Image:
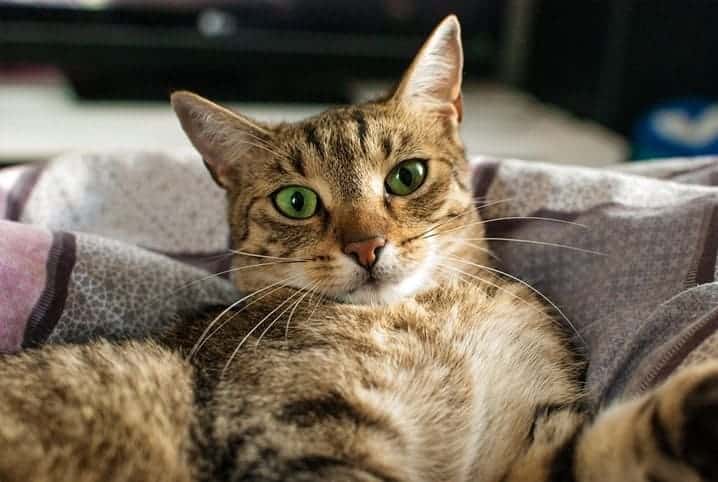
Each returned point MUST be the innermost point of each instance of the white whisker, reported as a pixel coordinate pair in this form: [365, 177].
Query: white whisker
[535, 218]
[319, 302]
[524, 283]
[313, 292]
[265, 147]
[231, 270]
[478, 247]
[306, 291]
[254, 328]
[204, 337]
[428, 233]
[245, 307]
[425, 234]
[491, 203]
[486, 221]
[461, 272]
[255, 255]
[541, 243]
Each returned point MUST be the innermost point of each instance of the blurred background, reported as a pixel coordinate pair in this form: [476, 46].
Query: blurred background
[589, 82]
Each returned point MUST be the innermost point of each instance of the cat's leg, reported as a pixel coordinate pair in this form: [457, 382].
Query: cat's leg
[669, 434]
[551, 441]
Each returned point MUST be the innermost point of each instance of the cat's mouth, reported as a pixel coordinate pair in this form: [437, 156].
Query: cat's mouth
[383, 287]
[373, 287]
[371, 282]
[394, 277]
[371, 291]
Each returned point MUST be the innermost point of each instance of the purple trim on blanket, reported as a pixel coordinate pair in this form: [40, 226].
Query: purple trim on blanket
[20, 192]
[483, 175]
[682, 347]
[47, 311]
[23, 255]
[705, 271]
[3, 203]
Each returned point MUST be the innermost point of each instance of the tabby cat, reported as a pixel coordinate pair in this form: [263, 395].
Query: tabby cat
[373, 344]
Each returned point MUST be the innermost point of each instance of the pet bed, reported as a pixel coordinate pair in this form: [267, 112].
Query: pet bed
[122, 244]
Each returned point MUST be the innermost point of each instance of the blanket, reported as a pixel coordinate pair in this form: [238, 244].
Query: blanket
[122, 244]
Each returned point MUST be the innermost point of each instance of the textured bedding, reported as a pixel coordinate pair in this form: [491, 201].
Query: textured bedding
[122, 244]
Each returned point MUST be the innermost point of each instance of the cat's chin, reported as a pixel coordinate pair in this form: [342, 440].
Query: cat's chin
[388, 292]
[374, 294]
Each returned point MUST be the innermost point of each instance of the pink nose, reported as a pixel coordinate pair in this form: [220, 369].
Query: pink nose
[366, 252]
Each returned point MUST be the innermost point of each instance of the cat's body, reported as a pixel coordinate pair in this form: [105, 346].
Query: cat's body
[375, 344]
[405, 392]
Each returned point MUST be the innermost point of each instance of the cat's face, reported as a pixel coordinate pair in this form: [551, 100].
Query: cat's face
[353, 202]
[352, 190]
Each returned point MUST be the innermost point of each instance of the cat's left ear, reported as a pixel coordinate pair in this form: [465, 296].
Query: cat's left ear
[433, 81]
[224, 138]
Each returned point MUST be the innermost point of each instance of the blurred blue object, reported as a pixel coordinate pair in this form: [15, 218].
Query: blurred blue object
[682, 127]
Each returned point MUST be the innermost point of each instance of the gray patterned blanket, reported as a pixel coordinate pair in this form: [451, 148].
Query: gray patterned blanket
[121, 244]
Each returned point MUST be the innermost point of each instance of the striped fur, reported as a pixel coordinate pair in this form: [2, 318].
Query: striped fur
[457, 377]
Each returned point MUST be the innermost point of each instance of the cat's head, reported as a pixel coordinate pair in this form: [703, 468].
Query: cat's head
[352, 201]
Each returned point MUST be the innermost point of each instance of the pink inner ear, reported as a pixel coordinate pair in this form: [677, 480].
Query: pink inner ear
[453, 110]
[213, 172]
[433, 81]
[459, 106]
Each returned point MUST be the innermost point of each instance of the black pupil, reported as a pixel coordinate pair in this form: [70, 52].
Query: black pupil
[405, 176]
[297, 201]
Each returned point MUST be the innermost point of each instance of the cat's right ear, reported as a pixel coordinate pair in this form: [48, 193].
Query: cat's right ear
[221, 136]
[433, 81]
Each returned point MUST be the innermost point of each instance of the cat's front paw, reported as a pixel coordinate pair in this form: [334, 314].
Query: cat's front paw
[686, 424]
[699, 429]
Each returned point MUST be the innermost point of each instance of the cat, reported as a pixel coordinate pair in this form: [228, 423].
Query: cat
[376, 343]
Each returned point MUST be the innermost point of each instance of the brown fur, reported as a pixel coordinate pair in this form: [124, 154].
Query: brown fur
[456, 376]
[95, 412]
[353, 211]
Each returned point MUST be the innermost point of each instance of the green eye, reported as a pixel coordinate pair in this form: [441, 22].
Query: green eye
[296, 202]
[406, 177]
